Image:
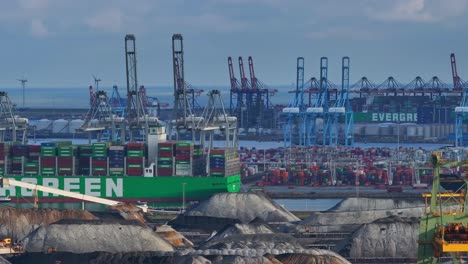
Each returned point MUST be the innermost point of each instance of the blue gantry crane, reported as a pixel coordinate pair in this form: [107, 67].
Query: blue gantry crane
[294, 113]
[461, 112]
[342, 108]
[319, 108]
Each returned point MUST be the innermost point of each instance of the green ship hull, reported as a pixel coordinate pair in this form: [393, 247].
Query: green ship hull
[126, 189]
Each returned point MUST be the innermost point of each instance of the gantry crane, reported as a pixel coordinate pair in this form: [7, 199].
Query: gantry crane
[319, 108]
[443, 229]
[215, 117]
[342, 107]
[261, 100]
[294, 114]
[135, 115]
[237, 103]
[100, 117]
[184, 116]
[461, 111]
[10, 123]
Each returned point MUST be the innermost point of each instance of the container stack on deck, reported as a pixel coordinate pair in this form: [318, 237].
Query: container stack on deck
[165, 160]
[65, 162]
[224, 162]
[31, 167]
[2, 158]
[135, 159]
[183, 158]
[116, 160]
[48, 159]
[84, 159]
[99, 159]
[19, 154]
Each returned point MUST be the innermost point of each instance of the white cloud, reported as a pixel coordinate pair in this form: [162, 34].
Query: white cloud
[34, 4]
[107, 20]
[213, 23]
[342, 32]
[404, 10]
[418, 10]
[38, 28]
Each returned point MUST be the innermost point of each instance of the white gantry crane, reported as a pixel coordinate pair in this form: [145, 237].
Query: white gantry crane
[10, 122]
[215, 117]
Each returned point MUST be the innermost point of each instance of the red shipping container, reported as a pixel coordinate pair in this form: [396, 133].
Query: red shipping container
[134, 171]
[183, 157]
[165, 172]
[132, 160]
[165, 154]
[65, 173]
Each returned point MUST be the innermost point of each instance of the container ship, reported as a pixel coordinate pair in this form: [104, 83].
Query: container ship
[157, 171]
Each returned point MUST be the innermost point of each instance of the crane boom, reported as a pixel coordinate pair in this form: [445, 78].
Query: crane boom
[79, 196]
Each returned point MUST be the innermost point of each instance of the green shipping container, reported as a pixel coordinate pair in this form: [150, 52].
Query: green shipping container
[135, 153]
[184, 144]
[135, 166]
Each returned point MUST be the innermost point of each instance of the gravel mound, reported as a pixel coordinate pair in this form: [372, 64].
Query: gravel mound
[312, 257]
[18, 223]
[255, 227]
[358, 217]
[388, 237]
[174, 238]
[266, 242]
[244, 207]
[88, 236]
[366, 204]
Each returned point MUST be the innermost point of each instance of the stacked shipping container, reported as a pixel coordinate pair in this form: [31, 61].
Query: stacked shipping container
[84, 159]
[48, 159]
[135, 159]
[31, 167]
[165, 159]
[65, 160]
[224, 162]
[99, 159]
[183, 158]
[116, 160]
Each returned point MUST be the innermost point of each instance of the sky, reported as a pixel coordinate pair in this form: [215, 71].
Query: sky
[62, 43]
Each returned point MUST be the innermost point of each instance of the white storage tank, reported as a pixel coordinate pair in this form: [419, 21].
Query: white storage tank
[75, 124]
[420, 131]
[411, 131]
[44, 124]
[427, 131]
[372, 130]
[359, 129]
[385, 130]
[60, 126]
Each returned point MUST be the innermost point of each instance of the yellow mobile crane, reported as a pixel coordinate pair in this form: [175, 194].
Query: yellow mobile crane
[443, 229]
